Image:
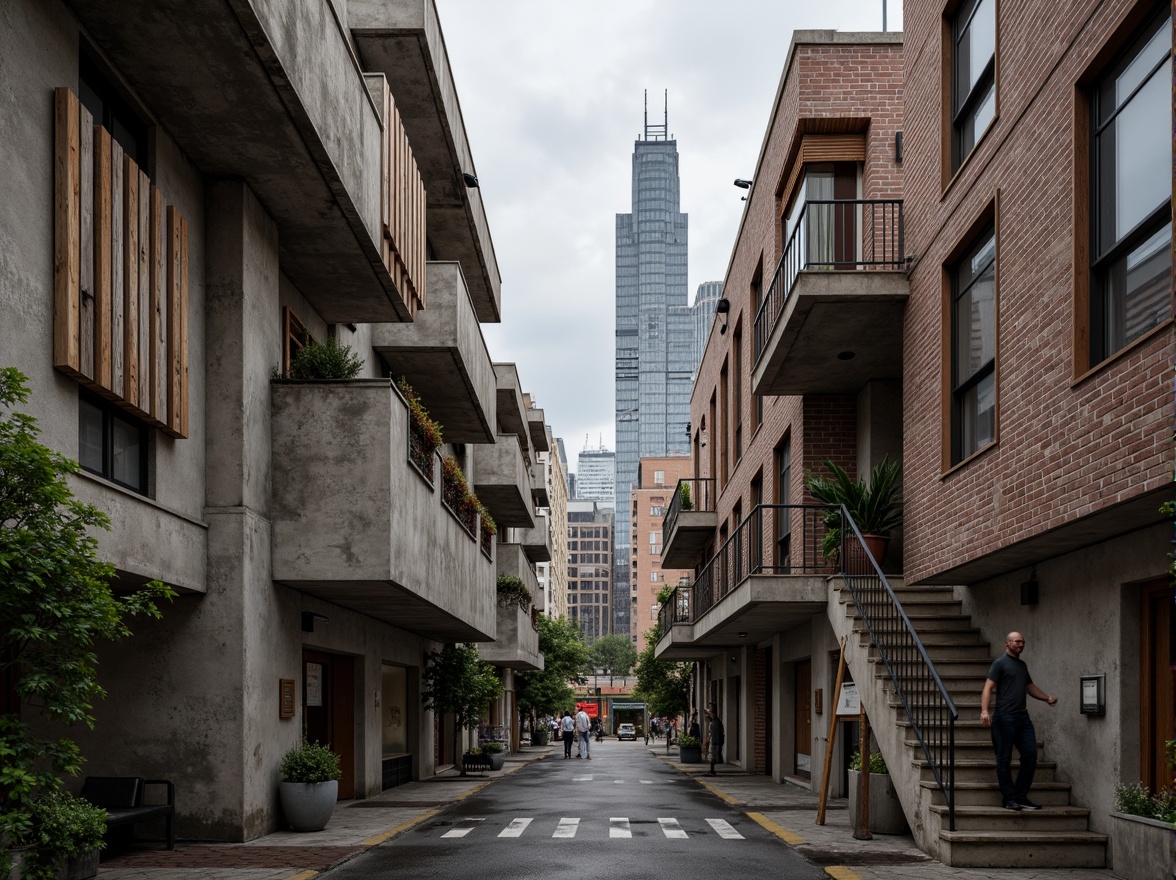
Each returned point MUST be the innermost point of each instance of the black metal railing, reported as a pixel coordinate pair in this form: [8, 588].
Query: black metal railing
[692, 493]
[928, 706]
[676, 609]
[840, 235]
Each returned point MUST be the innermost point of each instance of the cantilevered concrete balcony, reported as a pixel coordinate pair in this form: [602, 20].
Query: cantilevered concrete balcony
[269, 93]
[443, 356]
[356, 524]
[517, 642]
[510, 406]
[689, 523]
[402, 39]
[537, 428]
[536, 541]
[768, 577]
[513, 562]
[539, 486]
[832, 317]
[502, 481]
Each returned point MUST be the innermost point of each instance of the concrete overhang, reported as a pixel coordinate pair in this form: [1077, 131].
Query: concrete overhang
[511, 561]
[402, 39]
[503, 483]
[838, 331]
[512, 413]
[516, 645]
[1132, 515]
[443, 356]
[269, 93]
[759, 607]
[687, 536]
[536, 541]
[539, 486]
[538, 430]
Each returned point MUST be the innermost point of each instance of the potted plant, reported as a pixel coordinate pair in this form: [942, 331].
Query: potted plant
[886, 815]
[512, 590]
[328, 361]
[310, 786]
[496, 751]
[684, 493]
[1141, 832]
[875, 505]
[67, 834]
[689, 749]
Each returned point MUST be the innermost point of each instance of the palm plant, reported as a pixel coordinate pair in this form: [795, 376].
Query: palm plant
[874, 506]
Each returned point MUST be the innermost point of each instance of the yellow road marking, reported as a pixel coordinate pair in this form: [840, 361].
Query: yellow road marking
[839, 872]
[717, 793]
[387, 835]
[783, 833]
[303, 875]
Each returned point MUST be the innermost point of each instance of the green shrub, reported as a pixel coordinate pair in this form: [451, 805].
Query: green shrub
[68, 824]
[493, 747]
[311, 762]
[1137, 800]
[686, 741]
[512, 589]
[877, 762]
[325, 360]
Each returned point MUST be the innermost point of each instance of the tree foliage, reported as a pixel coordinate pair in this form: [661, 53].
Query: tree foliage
[663, 685]
[565, 661]
[55, 605]
[458, 681]
[613, 655]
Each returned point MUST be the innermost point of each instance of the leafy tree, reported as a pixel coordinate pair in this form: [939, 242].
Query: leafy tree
[56, 602]
[458, 681]
[663, 685]
[565, 661]
[613, 655]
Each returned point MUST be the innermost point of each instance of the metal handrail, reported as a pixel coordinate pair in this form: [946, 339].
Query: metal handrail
[691, 494]
[835, 234]
[928, 706]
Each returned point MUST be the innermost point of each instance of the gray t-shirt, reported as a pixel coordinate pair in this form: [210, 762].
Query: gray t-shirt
[1012, 679]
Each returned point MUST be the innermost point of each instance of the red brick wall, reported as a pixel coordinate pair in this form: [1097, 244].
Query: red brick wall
[759, 712]
[1066, 447]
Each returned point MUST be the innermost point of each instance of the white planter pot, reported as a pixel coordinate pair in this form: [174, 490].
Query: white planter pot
[308, 805]
[886, 815]
[1141, 849]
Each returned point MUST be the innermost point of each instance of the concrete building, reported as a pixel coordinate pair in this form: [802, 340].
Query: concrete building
[657, 481]
[702, 315]
[590, 565]
[595, 475]
[553, 575]
[654, 334]
[194, 193]
[905, 284]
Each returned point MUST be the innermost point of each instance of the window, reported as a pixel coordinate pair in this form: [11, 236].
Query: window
[973, 69]
[737, 389]
[657, 511]
[973, 342]
[784, 498]
[110, 444]
[110, 109]
[659, 478]
[1131, 191]
[654, 577]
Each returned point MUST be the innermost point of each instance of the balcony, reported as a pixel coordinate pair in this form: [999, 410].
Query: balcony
[517, 643]
[833, 316]
[536, 541]
[768, 577]
[402, 40]
[539, 485]
[444, 357]
[502, 481]
[689, 523]
[293, 118]
[537, 428]
[356, 524]
[513, 562]
[510, 406]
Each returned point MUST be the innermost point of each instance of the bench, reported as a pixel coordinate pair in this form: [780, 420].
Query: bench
[476, 762]
[122, 798]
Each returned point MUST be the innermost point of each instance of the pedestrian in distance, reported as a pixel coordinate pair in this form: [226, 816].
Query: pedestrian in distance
[583, 726]
[567, 727]
[717, 737]
[694, 729]
[1009, 679]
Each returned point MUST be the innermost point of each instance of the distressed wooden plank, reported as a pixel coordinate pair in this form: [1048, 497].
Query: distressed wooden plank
[66, 229]
[103, 259]
[144, 401]
[183, 326]
[173, 320]
[130, 338]
[158, 312]
[117, 272]
[86, 219]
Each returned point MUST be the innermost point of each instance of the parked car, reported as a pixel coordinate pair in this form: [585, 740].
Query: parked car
[627, 731]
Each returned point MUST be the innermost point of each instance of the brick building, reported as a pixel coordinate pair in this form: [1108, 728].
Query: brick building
[657, 480]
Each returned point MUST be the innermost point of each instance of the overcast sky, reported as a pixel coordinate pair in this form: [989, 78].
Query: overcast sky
[551, 92]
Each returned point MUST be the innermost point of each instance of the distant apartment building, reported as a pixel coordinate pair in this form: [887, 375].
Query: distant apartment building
[657, 481]
[595, 474]
[590, 565]
[553, 575]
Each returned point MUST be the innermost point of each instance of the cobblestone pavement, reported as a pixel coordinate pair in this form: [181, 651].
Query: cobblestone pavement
[789, 811]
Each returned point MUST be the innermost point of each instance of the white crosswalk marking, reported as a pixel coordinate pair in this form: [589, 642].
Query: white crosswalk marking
[724, 828]
[515, 828]
[581, 779]
[619, 828]
[566, 828]
[672, 829]
[647, 782]
[468, 826]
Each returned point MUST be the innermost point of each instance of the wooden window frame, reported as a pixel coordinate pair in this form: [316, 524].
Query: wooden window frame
[952, 168]
[295, 337]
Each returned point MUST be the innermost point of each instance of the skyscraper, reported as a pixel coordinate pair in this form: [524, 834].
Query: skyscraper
[596, 475]
[655, 338]
[702, 315]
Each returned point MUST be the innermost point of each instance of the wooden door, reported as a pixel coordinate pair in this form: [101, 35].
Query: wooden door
[804, 719]
[1158, 683]
[329, 710]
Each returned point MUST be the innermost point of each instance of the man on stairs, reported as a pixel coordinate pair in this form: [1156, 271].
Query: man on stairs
[1010, 722]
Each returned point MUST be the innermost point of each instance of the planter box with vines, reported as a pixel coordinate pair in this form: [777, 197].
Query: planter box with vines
[516, 642]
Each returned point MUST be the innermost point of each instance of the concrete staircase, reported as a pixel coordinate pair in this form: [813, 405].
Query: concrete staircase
[986, 835]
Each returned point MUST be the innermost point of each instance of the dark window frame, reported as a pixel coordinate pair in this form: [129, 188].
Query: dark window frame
[961, 386]
[110, 413]
[963, 107]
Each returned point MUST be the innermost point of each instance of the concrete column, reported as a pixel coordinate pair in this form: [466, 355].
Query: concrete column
[779, 713]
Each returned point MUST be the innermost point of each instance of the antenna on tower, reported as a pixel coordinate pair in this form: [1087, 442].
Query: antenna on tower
[657, 132]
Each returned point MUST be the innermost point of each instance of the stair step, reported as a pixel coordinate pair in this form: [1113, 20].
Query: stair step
[927, 623]
[984, 771]
[974, 651]
[918, 608]
[962, 636]
[986, 818]
[987, 794]
[1025, 849]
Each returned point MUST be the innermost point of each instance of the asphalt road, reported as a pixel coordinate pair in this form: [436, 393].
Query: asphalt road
[622, 814]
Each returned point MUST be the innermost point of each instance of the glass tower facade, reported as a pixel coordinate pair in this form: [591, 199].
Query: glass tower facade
[655, 335]
[703, 315]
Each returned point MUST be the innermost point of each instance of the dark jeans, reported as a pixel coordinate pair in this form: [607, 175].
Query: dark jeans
[716, 754]
[1009, 731]
[567, 738]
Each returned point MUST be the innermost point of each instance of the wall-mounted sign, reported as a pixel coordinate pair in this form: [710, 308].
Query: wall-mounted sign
[849, 702]
[286, 704]
[1094, 694]
[314, 684]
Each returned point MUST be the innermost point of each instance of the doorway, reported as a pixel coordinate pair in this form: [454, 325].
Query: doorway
[1157, 682]
[328, 701]
[804, 719]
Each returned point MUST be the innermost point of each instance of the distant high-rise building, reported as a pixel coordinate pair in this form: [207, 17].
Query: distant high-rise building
[595, 475]
[702, 315]
[655, 359]
[590, 545]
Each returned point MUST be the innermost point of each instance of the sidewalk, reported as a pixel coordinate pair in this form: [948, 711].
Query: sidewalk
[788, 811]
